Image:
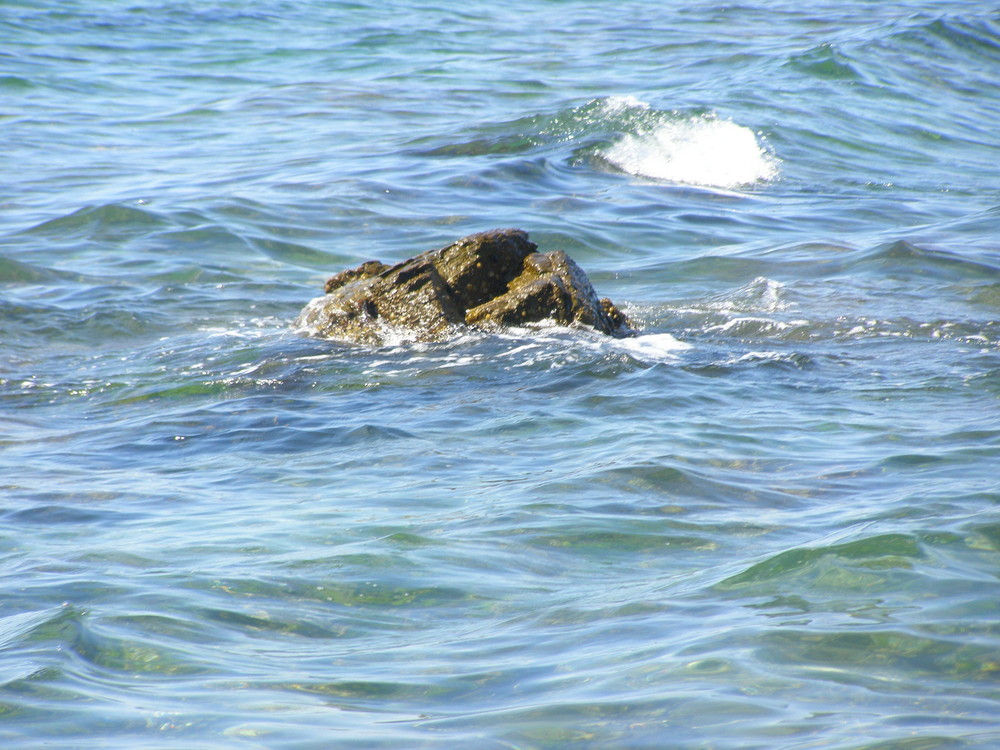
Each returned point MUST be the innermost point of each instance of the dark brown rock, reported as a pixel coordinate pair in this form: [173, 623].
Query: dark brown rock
[486, 280]
[550, 287]
[479, 267]
[364, 271]
[409, 299]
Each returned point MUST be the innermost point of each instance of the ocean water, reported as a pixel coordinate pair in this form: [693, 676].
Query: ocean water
[770, 521]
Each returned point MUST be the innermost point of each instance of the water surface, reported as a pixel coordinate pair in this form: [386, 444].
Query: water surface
[770, 521]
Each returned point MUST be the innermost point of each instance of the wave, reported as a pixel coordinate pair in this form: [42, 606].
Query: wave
[18, 627]
[700, 150]
[903, 259]
[544, 345]
[881, 552]
[108, 222]
[652, 347]
[16, 272]
[975, 36]
[626, 134]
[826, 62]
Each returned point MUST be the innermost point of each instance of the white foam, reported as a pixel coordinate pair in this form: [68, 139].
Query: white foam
[614, 105]
[753, 322]
[771, 294]
[702, 150]
[656, 347]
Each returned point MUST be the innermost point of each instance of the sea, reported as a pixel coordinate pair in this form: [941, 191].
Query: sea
[768, 521]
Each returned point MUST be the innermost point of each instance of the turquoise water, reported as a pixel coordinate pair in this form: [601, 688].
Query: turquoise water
[770, 521]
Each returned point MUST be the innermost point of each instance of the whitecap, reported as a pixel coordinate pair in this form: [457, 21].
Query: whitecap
[615, 105]
[652, 347]
[703, 150]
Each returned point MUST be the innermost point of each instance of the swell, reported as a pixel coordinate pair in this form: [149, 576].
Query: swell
[211, 234]
[974, 36]
[918, 121]
[626, 135]
[898, 290]
[898, 260]
[845, 622]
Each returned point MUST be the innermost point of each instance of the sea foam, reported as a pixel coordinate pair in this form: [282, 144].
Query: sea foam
[701, 150]
[654, 347]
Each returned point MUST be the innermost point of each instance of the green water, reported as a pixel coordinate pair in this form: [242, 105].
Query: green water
[770, 521]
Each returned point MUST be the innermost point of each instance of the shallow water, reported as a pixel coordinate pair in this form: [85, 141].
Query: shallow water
[768, 521]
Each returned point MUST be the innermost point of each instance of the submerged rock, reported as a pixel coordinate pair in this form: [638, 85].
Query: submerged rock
[486, 280]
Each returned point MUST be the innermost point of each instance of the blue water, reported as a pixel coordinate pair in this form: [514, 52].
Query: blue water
[771, 521]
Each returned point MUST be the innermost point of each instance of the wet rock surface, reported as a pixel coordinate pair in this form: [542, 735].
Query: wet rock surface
[487, 280]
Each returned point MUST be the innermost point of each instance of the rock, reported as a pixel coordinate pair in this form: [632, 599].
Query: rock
[486, 280]
[364, 271]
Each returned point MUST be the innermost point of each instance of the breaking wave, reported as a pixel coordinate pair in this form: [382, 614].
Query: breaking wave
[699, 150]
[624, 133]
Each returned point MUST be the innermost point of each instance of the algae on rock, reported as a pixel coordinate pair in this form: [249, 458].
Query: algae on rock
[486, 280]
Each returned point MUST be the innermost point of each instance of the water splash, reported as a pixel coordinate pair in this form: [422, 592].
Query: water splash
[701, 150]
[626, 133]
[653, 347]
[618, 105]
